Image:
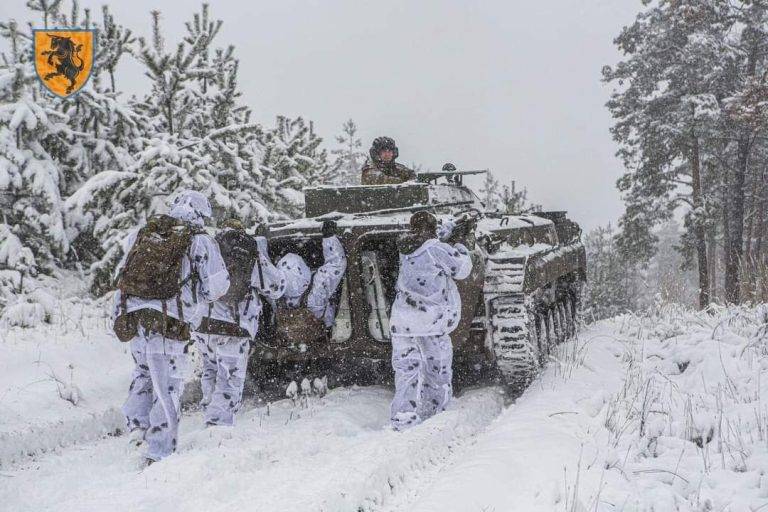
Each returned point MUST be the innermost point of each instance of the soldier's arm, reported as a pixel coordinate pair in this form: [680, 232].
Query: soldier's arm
[454, 260]
[269, 280]
[405, 173]
[210, 268]
[328, 276]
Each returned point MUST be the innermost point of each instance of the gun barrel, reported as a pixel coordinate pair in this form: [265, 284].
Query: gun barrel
[435, 174]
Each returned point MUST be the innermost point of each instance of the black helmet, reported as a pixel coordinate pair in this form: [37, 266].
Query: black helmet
[449, 167]
[380, 144]
[423, 222]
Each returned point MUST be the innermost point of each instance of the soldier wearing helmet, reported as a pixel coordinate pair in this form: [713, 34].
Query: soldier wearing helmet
[382, 169]
[425, 312]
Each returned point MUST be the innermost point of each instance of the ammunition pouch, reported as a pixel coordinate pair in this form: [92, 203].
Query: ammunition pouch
[126, 325]
[222, 328]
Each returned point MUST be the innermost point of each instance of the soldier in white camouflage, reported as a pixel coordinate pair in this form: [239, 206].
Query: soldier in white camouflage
[425, 312]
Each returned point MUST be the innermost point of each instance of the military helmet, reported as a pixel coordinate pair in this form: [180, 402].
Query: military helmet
[423, 222]
[233, 224]
[380, 144]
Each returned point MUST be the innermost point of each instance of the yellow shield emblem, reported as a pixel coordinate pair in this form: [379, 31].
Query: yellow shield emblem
[64, 59]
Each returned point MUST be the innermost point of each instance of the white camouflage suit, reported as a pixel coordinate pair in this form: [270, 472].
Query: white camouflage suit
[225, 358]
[153, 405]
[426, 310]
[324, 283]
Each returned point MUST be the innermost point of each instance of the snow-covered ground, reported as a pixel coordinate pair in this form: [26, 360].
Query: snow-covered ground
[659, 412]
[61, 380]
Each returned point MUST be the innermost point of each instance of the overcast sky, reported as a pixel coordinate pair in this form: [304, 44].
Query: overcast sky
[508, 85]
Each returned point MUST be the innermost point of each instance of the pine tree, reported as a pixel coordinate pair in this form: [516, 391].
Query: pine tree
[515, 201]
[115, 41]
[666, 109]
[292, 159]
[611, 287]
[489, 193]
[506, 199]
[32, 135]
[349, 158]
[746, 110]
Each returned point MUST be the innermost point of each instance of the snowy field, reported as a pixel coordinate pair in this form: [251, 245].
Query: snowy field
[660, 412]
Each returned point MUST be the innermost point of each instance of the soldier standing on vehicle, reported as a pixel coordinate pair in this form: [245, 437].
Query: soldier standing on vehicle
[308, 304]
[223, 337]
[171, 271]
[382, 169]
[426, 310]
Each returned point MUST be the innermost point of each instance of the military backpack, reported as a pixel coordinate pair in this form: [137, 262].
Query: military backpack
[240, 253]
[153, 270]
[298, 324]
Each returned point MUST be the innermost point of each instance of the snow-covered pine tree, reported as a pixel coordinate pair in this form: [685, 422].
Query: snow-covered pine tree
[108, 134]
[666, 110]
[611, 287]
[165, 159]
[49, 10]
[115, 41]
[32, 136]
[229, 142]
[489, 193]
[746, 122]
[291, 159]
[173, 97]
[349, 156]
[516, 201]
[194, 134]
[16, 263]
[505, 199]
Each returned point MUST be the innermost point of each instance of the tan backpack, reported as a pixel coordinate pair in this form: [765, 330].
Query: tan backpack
[153, 270]
[299, 324]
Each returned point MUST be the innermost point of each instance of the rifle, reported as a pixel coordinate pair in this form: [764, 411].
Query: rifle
[455, 177]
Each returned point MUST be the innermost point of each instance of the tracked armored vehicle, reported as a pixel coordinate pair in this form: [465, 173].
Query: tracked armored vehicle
[521, 299]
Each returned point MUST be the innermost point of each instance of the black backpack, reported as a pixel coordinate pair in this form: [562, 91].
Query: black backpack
[240, 253]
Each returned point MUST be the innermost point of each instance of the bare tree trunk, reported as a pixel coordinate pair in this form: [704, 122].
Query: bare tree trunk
[712, 260]
[750, 209]
[735, 246]
[698, 227]
[726, 224]
[762, 204]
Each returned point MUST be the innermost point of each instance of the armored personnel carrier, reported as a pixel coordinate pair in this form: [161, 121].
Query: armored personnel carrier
[521, 298]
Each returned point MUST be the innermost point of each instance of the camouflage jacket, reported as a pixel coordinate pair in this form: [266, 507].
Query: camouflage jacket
[377, 173]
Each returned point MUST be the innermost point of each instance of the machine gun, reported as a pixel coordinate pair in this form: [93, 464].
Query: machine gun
[454, 177]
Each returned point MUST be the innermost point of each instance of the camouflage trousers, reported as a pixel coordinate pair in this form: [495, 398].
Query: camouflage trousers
[423, 376]
[225, 359]
[154, 397]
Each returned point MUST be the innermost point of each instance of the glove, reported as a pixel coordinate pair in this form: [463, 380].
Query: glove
[329, 228]
[261, 243]
[445, 229]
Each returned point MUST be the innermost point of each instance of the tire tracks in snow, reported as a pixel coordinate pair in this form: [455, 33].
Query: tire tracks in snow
[336, 454]
[416, 456]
